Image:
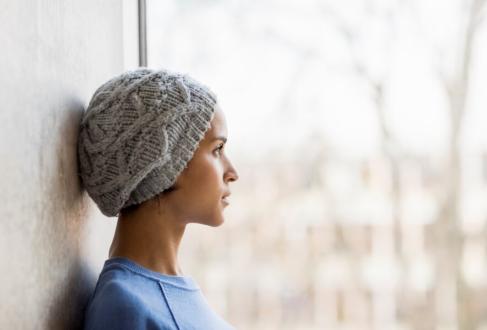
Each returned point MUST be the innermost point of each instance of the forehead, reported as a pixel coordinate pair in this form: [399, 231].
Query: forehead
[218, 125]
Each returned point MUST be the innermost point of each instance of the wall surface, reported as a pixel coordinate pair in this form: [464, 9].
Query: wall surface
[52, 238]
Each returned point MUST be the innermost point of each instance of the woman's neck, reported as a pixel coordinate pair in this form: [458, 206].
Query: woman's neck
[150, 240]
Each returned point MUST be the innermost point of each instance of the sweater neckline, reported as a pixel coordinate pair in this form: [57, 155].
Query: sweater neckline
[184, 281]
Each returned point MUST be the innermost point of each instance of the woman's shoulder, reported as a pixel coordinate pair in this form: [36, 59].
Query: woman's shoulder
[125, 300]
[128, 296]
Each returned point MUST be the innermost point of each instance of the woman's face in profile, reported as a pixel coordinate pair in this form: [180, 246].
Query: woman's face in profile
[201, 186]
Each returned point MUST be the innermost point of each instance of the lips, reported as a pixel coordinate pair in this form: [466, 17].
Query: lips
[225, 198]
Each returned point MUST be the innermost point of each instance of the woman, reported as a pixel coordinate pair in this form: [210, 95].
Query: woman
[151, 150]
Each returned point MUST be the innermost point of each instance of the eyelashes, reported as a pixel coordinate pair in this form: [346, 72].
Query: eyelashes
[220, 148]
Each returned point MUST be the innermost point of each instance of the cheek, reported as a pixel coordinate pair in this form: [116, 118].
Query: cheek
[206, 179]
[203, 195]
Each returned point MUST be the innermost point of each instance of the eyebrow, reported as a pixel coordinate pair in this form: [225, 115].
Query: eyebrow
[224, 139]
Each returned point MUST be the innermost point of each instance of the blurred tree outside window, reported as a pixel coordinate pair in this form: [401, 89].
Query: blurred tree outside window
[358, 129]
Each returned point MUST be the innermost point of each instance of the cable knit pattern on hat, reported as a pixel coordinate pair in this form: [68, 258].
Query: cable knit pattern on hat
[139, 132]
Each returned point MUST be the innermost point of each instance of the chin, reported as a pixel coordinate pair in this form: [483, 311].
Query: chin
[216, 223]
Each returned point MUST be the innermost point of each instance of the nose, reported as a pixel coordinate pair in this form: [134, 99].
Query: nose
[231, 174]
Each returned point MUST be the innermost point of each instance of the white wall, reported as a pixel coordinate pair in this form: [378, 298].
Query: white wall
[53, 240]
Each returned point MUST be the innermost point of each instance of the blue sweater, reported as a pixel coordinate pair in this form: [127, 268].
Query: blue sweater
[130, 296]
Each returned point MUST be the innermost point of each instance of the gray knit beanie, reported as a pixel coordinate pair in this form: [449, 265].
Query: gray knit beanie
[139, 132]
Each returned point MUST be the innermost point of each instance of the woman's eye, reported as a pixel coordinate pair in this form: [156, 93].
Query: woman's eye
[220, 147]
